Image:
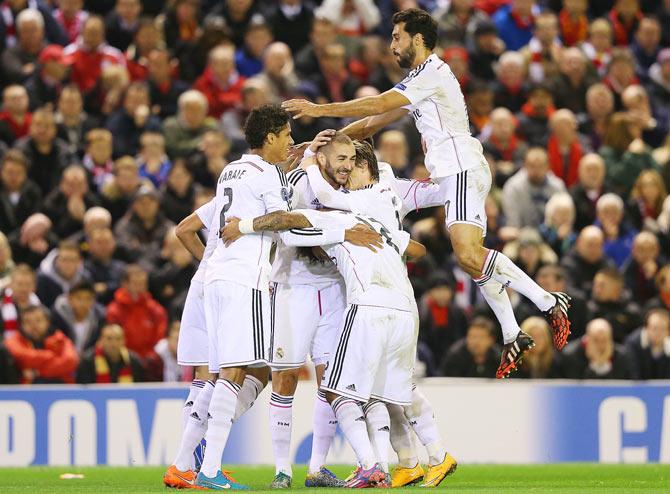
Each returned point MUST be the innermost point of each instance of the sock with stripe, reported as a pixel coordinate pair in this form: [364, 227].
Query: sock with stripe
[499, 267]
[221, 413]
[497, 298]
[351, 418]
[379, 427]
[195, 429]
[251, 388]
[193, 391]
[401, 437]
[281, 417]
[325, 425]
[422, 419]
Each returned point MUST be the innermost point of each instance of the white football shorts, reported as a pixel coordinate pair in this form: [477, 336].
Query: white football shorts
[192, 348]
[465, 196]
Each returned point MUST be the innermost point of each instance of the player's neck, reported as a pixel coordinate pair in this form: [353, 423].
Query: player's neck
[420, 58]
[264, 154]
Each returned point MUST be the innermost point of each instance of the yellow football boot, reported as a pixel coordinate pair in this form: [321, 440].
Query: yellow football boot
[437, 473]
[407, 476]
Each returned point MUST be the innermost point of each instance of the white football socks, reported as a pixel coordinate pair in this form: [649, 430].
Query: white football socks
[251, 388]
[325, 425]
[379, 426]
[352, 422]
[221, 413]
[281, 417]
[195, 429]
[401, 437]
[421, 418]
[193, 391]
[497, 298]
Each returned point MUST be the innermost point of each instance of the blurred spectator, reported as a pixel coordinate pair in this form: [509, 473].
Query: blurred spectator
[442, 322]
[14, 117]
[510, 88]
[625, 154]
[479, 99]
[129, 122]
[173, 275]
[184, 131]
[154, 164]
[542, 361]
[432, 232]
[392, 148]
[649, 347]
[60, 270]
[484, 50]
[535, 114]
[143, 320]
[663, 14]
[558, 228]
[17, 296]
[104, 270]
[8, 21]
[646, 200]
[237, 15]
[645, 47]
[573, 22]
[278, 75]
[636, 102]
[352, 18]
[476, 355]
[9, 372]
[530, 252]
[162, 364]
[624, 17]
[515, 23]
[32, 242]
[565, 146]
[207, 164]
[71, 16]
[641, 268]
[526, 193]
[659, 87]
[66, 205]
[45, 83]
[142, 229]
[302, 129]
[388, 73]
[609, 301]
[589, 188]
[122, 22]
[596, 356]
[42, 352]
[663, 223]
[79, 316]
[290, 21]
[334, 81]
[544, 49]
[620, 72]
[72, 122]
[19, 196]
[178, 194]
[47, 154]
[457, 59]
[164, 88]
[663, 287]
[118, 193]
[618, 233]
[585, 260]
[98, 158]
[19, 61]
[110, 361]
[598, 48]
[147, 39]
[6, 262]
[457, 22]
[220, 83]
[255, 93]
[573, 81]
[502, 143]
[181, 27]
[248, 58]
[323, 33]
[367, 61]
[90, 53]
[95, 217]
[599, 109]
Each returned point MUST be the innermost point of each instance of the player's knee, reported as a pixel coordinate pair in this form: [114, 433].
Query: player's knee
[233, 374]
[260, 373]
[470, 258]
[331, 397]
[285, 382]
[202, 373]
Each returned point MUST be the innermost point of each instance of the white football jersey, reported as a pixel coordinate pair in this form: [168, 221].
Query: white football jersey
[371, 278]
[247, 188]
[414, 194]
[206, 215]
[438, 107]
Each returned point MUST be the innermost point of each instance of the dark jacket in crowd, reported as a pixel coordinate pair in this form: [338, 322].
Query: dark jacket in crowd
[580, 273]
[577, 366]
[63, 318]
[624, 316]
[55, 207]
[45, 169]
[9, 372]
[12, 216]
[458, 362]
[86, 372]
[647, 365]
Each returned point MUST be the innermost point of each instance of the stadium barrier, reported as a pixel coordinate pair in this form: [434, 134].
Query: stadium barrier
[482, 422]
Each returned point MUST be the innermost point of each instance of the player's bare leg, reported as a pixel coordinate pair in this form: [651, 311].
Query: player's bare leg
[284, 384]
[494, 272]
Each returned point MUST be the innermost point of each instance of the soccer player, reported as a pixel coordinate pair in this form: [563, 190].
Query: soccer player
[431, 93]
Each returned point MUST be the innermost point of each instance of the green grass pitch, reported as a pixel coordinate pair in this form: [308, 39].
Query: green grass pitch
[498, 479]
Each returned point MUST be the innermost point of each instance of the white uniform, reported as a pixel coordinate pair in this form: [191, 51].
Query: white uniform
[375, 352]
[414, 194]
[237, 302]
[453, 157]
[308, 297]
[192, 348]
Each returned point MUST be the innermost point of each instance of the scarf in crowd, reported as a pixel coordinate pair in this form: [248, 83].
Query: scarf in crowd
[506, 153]
[620, 30]
[10, 22]
[101, 173]
[521, 23]
[19, 129]
[529, 110]
[574, 30]
[187, 30]
[538, 56]
[72, 26]
[10, 315]
[102, 367]
[600, 60]
[558, 165]
[439, 313]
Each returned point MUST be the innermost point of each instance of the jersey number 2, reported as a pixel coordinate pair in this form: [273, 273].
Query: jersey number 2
[228, 193]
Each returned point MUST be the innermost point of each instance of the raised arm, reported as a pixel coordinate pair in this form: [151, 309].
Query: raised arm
[361, 107]
[369, 126]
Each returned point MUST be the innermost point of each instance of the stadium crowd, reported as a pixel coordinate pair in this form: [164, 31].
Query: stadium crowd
[118, 116]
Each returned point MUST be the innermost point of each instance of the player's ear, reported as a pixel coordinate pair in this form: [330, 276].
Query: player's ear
[320, 158]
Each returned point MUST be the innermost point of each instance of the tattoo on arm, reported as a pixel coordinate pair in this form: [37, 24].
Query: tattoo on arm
[280, 221]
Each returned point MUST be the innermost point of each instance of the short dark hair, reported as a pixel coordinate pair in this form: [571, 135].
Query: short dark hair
[483, 323]
[268, 119]
[612, 273]
[418, 21]
[15, 156]
[82, 286]
[36, 307]
[132, 269]
[365, 152]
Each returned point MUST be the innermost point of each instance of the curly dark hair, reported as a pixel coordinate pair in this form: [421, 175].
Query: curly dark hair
[418, 21]
[268, 119]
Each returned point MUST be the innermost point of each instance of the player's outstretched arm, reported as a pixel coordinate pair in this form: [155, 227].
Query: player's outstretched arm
[187, 232]
[361, 107]
[369, 126]
[275, 221]
[415, 250]
[359, 235]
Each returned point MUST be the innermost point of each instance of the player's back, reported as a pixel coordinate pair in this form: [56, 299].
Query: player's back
[247, 188]
[378, 201]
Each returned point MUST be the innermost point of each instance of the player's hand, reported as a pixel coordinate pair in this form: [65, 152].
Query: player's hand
[301, 108]
[321, 139]
[298, 149]
[231, 231]
[364, 236]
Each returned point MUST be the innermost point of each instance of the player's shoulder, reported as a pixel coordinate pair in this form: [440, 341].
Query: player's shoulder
[296, 176]
[428, 66]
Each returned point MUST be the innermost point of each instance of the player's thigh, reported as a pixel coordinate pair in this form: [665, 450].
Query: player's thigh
[354, 363]
[295, 313]
[465, 197]
[332, 304]
[192, 347]
[393, 383]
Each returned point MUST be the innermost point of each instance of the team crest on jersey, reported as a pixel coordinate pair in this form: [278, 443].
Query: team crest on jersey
[286, 194]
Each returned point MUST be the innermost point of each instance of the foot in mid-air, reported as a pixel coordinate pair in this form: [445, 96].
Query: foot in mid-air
[323, 478]
[221, 481]
[281, 481]
[177, 479]
[403, 476]
[437, 473]
[372, 477]
[512, 354]
[557, 317]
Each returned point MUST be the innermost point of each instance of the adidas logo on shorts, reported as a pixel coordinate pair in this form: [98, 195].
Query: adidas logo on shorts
[351, 387]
